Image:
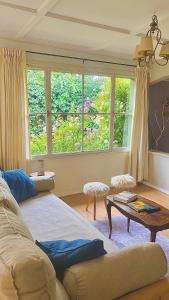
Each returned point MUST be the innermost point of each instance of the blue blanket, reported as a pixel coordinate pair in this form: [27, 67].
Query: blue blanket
[64, 254]
[20, 184]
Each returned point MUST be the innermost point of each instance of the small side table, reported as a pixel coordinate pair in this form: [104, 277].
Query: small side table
[48, 174]
[44, 182]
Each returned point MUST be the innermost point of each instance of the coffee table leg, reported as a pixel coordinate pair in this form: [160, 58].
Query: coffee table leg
[128, 224]
[109, 218]
[153, 236]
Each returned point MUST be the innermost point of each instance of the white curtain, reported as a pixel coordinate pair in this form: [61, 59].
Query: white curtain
[138, 164]
[12, 103]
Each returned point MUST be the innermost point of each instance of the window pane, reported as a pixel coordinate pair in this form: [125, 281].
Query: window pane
[36, 91]
[124, 95]
[122, 130]
[66, 133]
[66, 92]
[96, 132]
[37, 129]
[97, 93]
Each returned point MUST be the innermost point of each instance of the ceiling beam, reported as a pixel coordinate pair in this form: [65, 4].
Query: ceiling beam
[88, 23]
[19, 7]
[46, 6]
[44, 10]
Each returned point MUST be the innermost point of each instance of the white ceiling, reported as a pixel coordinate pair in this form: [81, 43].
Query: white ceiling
[109, 27]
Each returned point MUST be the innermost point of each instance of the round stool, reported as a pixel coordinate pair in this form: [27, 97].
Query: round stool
[122, 182]
[95, 190]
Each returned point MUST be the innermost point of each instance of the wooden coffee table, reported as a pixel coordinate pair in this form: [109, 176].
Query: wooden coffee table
[155, 221]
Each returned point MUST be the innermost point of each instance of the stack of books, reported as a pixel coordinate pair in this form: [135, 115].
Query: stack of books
[141, 206]
[124, 197]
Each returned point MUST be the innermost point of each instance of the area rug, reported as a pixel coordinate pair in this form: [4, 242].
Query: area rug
[138, 233]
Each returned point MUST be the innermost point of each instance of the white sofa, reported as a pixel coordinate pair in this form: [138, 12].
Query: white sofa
[27, 274]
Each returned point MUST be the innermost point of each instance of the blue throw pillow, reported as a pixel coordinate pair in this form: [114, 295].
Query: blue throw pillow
[64, 254]
[20, 184]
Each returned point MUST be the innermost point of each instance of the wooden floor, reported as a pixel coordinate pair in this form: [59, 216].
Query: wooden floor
[78, 202]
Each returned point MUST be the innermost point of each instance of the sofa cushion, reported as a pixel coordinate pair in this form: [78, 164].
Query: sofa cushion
[3, 184]
[6, 198]
[64, 254]
[12, 224]
[26, 273]
[25, 270]
[116, 274]
[20, 184]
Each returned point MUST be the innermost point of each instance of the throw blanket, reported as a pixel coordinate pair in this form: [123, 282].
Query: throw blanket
[20, 184]
[64, 254]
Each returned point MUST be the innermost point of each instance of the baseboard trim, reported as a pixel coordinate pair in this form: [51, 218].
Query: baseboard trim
[156, 187]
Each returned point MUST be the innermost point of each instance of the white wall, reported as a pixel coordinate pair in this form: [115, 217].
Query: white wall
[39, 47]
[73, 171]
[159, 171]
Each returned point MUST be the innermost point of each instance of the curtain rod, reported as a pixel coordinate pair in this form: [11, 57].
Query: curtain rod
[82, 59]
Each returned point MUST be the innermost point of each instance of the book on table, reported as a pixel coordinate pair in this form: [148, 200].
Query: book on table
[124, 197]
[141, 206]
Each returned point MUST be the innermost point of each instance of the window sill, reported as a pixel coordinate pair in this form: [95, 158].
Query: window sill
[44, 157]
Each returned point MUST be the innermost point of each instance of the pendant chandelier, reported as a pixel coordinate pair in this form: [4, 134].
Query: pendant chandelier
[146, 53]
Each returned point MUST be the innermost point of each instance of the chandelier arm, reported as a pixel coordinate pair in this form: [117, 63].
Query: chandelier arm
[159, 34]
[158, 39]
[165, 60]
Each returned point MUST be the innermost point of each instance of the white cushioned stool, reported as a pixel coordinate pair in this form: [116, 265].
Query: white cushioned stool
[95, 190]
[122, 182]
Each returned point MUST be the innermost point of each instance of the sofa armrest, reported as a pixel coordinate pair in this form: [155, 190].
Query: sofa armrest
[116, 274]
[158, 290]
[43, 183]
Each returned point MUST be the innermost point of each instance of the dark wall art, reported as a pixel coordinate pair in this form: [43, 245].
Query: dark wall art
[159, 116]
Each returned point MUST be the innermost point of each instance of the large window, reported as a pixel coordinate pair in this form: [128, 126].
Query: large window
[71, 112]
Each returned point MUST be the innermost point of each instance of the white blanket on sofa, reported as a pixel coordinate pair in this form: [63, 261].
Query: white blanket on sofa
[49, 218]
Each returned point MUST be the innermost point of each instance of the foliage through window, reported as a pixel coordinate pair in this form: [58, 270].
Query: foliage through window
[71, 112]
